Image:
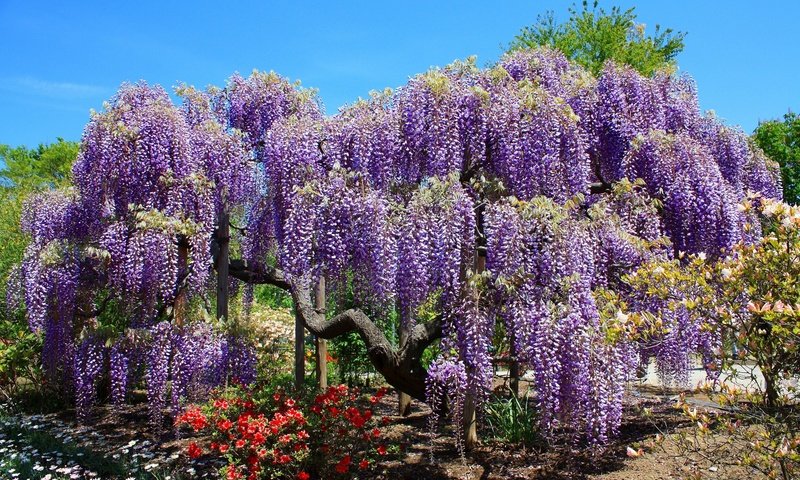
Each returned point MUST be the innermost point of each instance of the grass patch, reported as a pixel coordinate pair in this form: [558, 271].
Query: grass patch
[514, 420]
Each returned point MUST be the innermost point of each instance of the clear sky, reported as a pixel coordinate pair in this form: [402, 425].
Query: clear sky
[60, 59]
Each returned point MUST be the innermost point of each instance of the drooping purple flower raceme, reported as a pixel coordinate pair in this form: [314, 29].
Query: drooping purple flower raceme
[447, 385]
[157, 370]
[437, 238]
[120, 358]
[89, 361]
[239, 357]
[536, 144]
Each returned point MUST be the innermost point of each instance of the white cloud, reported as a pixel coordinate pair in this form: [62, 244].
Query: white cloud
[39, 87]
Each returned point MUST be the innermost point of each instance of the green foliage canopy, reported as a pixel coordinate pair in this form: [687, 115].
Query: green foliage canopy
[47, 166]
[592, 36]
[780, 140]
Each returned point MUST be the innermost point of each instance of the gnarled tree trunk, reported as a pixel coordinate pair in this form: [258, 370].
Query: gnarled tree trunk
[400, 366]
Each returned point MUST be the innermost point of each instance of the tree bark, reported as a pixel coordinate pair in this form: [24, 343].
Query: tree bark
[321, 343]
[513, 366]
[400, 367]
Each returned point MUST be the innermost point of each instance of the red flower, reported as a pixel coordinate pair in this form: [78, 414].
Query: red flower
[223, 448]
[302, 435]
[363, 464]
[233, 474]
[303, 476]
[285, 438]
[300, 446]
[240, 443]
[224, 425]
[194, 417]
[381, 449]
[344, 464]
[289, 403]
[194, 451]
[376, 433]
[284, 459]
[358, 421]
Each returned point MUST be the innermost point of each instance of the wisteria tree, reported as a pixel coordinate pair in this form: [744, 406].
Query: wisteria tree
[518, 195]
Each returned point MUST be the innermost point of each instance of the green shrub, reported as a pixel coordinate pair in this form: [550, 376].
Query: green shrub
[513, 420]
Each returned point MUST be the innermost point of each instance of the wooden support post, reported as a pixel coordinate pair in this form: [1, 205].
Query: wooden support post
[513, 366]
[514, 374]
[470, 417]
[181, 303]
[403, 399]
[299, 352]
[321, 343]
[470, 423]
[223, 239]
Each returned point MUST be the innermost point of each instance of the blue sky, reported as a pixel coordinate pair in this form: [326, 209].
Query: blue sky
[60, 59]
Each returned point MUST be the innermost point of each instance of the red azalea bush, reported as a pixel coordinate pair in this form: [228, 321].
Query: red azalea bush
[331, 435]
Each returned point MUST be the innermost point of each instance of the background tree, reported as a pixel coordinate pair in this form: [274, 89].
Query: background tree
[780, 140]
[25, 171]
[47, 166]
[592, 36]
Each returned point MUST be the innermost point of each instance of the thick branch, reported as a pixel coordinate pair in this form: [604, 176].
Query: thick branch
[250, 274]
[400, 367]
[600, 187]
[265, 275]
[95, 312]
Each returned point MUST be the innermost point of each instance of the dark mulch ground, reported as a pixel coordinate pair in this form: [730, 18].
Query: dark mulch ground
[430, 456]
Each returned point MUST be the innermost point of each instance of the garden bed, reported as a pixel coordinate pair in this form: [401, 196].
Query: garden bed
[120, 445]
